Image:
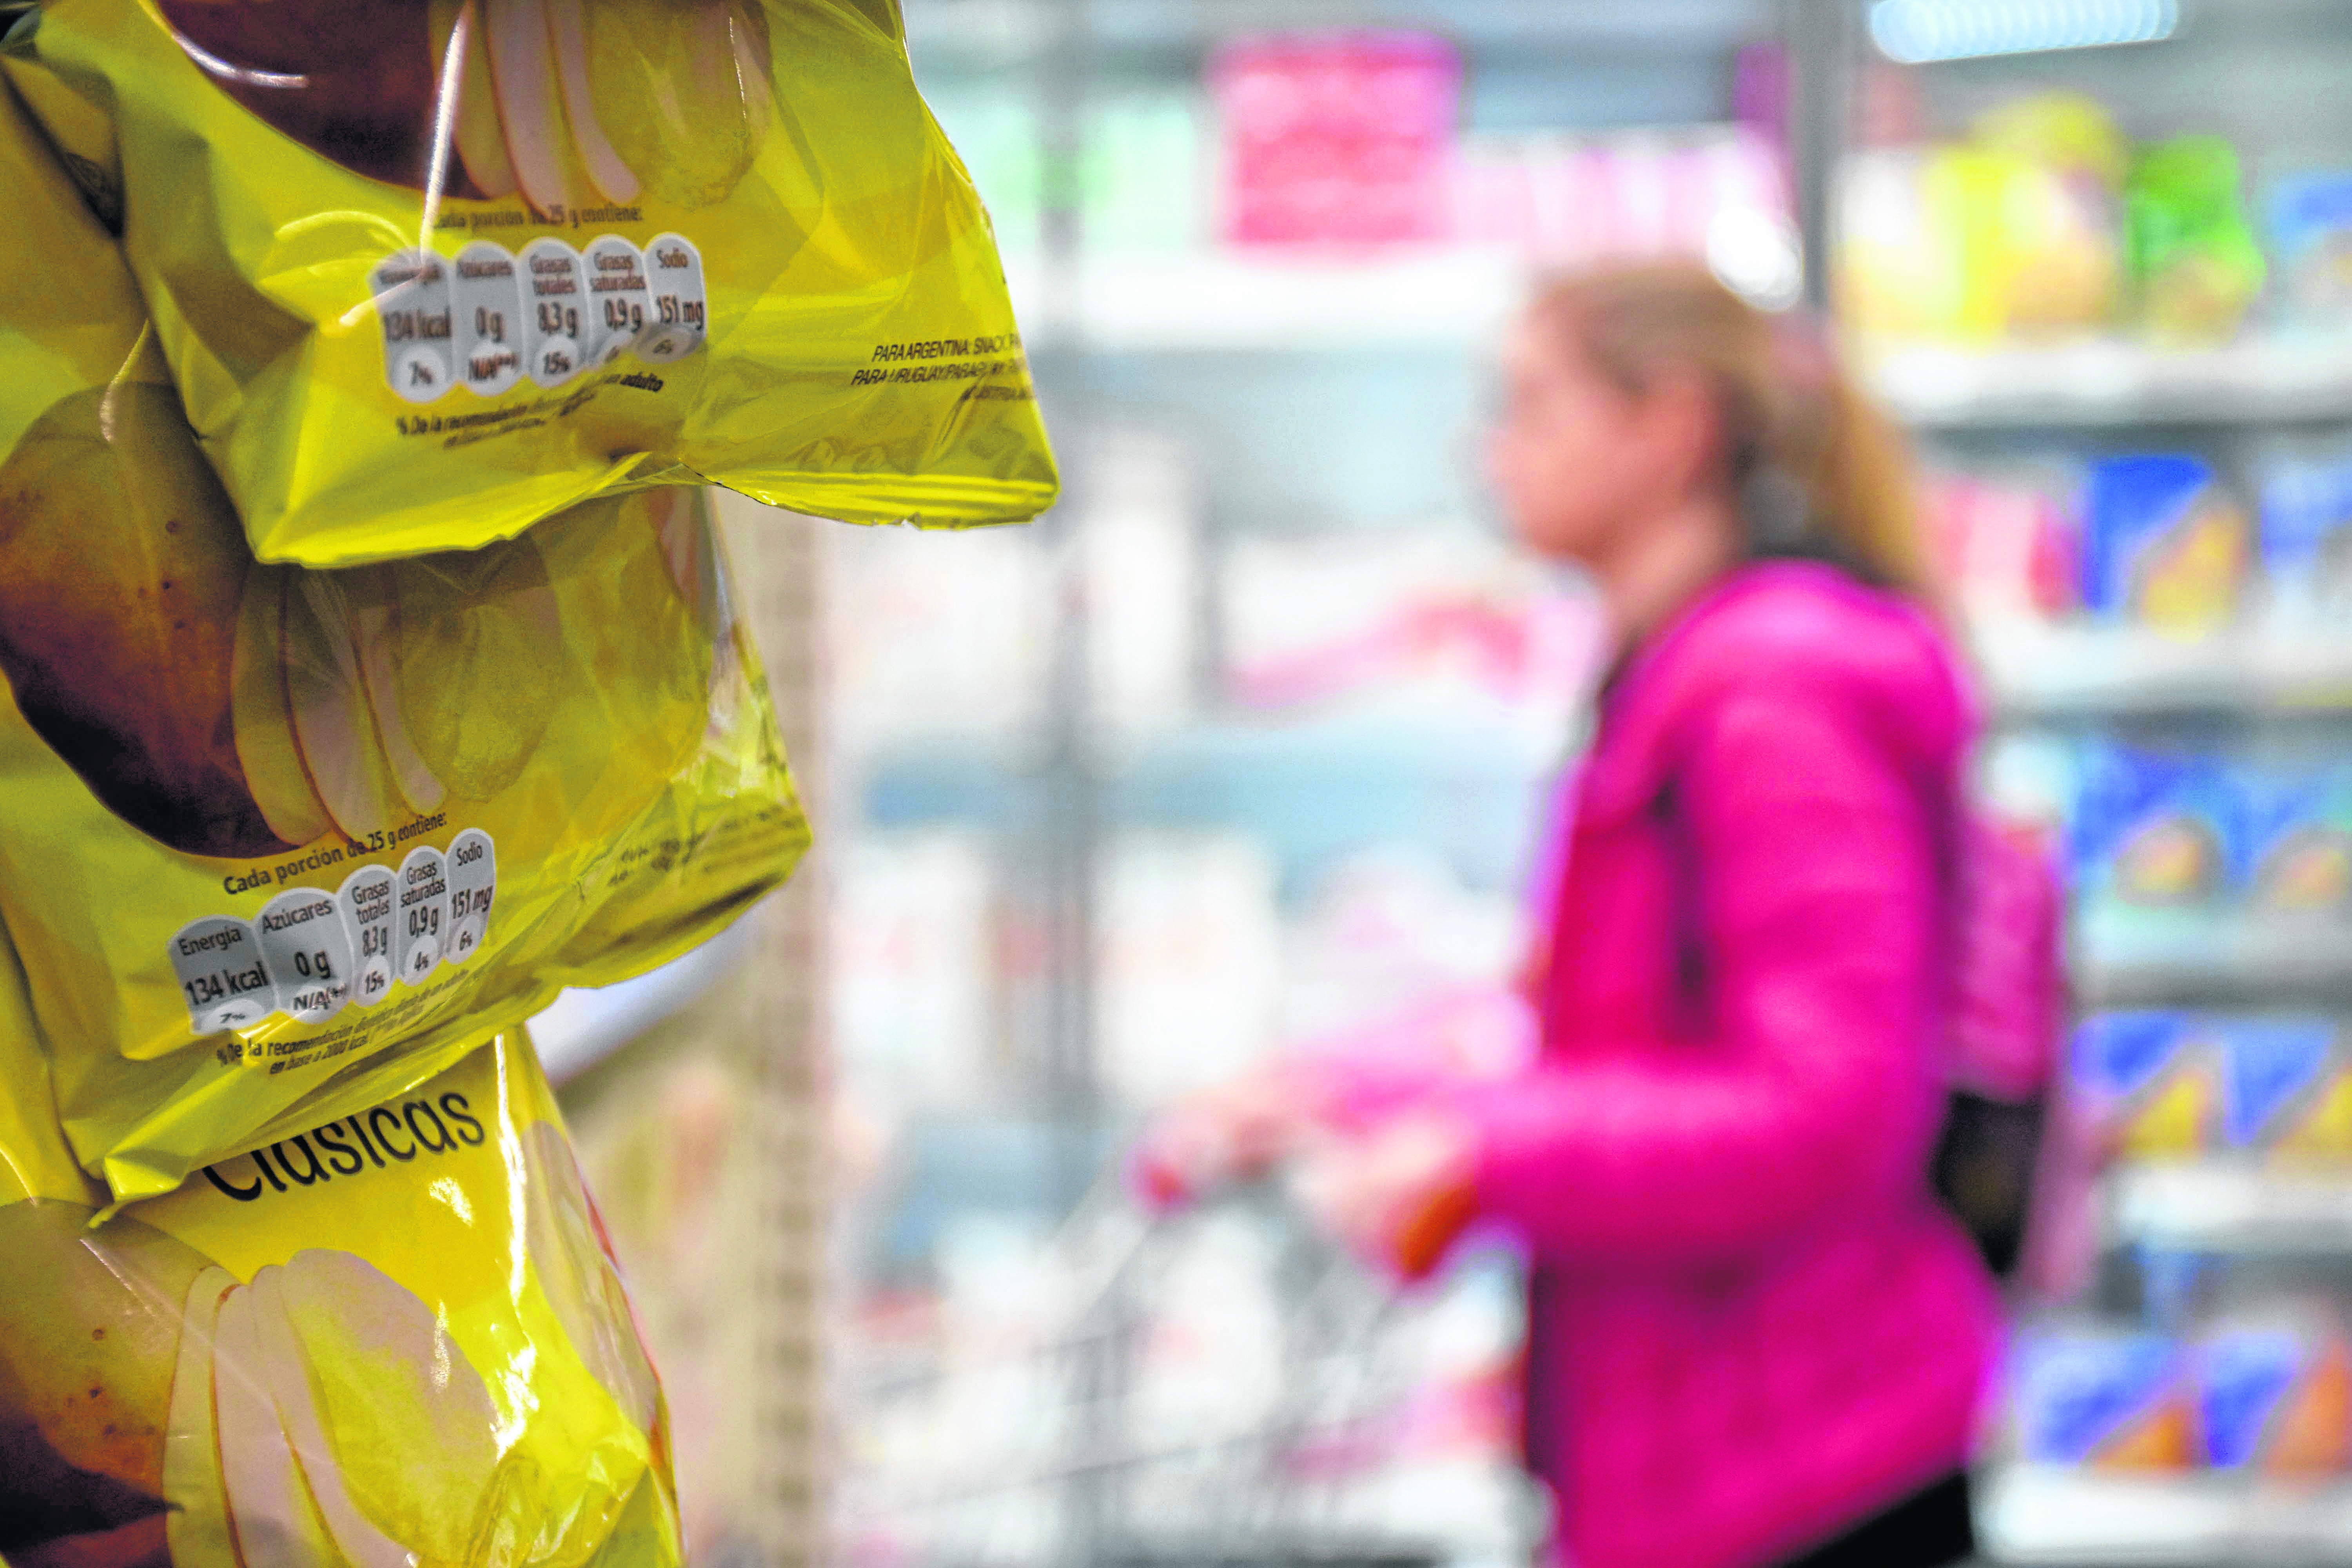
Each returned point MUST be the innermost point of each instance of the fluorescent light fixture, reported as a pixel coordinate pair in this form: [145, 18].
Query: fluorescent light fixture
[1914, 31]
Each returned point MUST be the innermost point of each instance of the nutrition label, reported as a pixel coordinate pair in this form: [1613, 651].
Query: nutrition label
[487, 319]
[311, 953]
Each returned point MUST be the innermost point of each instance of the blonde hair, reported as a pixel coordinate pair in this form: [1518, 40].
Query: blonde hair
[1786, 407]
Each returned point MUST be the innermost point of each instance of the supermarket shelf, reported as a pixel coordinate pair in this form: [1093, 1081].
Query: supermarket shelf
[2163, 959]
[2233, 1206]
[1443, 296]
[1311, 789]
[2032, 1514]
[2039, 671]
[2112, 383]
[1455, 295]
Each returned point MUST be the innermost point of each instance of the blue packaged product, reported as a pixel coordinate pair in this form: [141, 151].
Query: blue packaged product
[2306, 540]
[2299, 837]
[2163, 544]
[2155, 827]
[2149, 1081]
[2311, 237]
[2275, 1399]
[2111, 1401]
[2286, 1088]
[2272, 1069]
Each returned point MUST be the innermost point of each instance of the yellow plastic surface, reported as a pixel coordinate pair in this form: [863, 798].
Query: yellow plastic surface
[785, 283]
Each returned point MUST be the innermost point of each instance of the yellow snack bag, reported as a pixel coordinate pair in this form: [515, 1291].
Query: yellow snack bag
[280, 842]
[395, 1340]
[427, 271]
[437, 791]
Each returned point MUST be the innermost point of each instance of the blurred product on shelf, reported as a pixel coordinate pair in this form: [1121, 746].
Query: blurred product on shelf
[1143, 175]
[2154, 540]
[1189, 961]
[2044, 221]
[1432, 616]
[2164, 545]
[2166, 1084]
[2268, 833]
[2306, 538]
[1716, 192]
[1387, 931]
[2274, 1396]
[2011, 232]
[1341, 138]
[2007, 539]
[2311, 246]
[2196, 266]
[935, 633]
[2286, 1088]
[1138, 534]
[2149, 1082]
[2107, 1398]
[2155, 829]
[2267, 1391]
[2299, 837]
[914, 984]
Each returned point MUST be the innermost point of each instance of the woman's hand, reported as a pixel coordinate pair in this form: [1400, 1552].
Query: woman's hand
[1400, 1195]
[1236, 1131]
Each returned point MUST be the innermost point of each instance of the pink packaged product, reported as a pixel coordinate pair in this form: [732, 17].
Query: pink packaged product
[1564, 201]
[1337, 137]
[2011, 543]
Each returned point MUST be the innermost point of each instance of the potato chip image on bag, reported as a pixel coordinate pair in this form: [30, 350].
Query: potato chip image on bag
[395, 1338]
[436, 791]
[426, 272]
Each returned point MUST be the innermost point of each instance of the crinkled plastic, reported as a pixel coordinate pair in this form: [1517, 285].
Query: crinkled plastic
[427, 271]
[393, 1340]
[280, 842]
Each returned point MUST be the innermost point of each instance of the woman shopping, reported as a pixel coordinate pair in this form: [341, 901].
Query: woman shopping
[1756, 1337]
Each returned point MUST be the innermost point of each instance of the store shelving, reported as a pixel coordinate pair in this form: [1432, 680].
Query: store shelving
[1439, 296]
[2068, 1518]
[2224, 1205]
[2264, 379]
[2044, 671]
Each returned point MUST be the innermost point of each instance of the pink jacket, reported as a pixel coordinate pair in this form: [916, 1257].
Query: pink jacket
[1751, 1323]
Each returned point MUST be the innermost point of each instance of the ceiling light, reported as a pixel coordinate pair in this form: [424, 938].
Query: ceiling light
[1912, 31]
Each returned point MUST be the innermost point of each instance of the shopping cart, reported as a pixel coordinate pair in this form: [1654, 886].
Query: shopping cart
[1043, 1445]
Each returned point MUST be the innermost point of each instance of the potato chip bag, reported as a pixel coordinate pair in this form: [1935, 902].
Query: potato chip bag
[394, 1339]
[434, 793]
[429, 271]
[280, 841]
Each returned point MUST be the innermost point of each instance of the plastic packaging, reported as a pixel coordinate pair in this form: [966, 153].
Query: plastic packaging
[280, 842]
[2157, 828]
[2110, 1400]
[2299, 838]
[2311, 238]
[2151, 1082]
[2286, 1088]
[2306, 540]
[2193, 255]
[427, 272]
[1341, 138]
[2164, 545]
[396, 1338]
[2274, 1396]
[443, 789]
